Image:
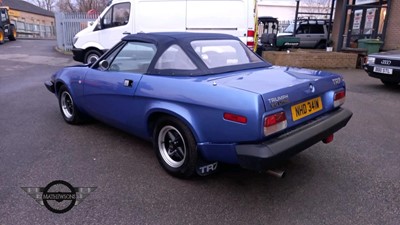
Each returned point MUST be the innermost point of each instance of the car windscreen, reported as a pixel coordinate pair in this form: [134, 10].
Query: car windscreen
[289, 29]
[221, 53]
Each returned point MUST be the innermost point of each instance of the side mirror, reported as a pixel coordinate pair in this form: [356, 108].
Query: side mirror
[98, 25]
[104, 64]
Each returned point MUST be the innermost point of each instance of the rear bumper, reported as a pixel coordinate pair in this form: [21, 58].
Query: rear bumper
[50, 86]
[262, 156]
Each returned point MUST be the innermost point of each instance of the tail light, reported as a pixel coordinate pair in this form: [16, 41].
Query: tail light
[339, 98]
[250, 39]
[274, 123]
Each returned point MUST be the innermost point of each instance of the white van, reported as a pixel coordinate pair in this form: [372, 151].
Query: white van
[122, 17]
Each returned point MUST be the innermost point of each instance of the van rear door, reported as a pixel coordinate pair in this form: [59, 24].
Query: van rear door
[218, 16]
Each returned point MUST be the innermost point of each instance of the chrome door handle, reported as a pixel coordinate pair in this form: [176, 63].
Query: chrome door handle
[128, 83]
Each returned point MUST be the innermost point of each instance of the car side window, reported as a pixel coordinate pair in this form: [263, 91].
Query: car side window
[133, 57]
[176, 59]
[118, 15]
[303, 29]
[317, 29]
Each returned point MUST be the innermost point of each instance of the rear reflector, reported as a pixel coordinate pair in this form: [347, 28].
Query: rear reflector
[235, 118]
[250, 39]
[339, 98]
[274, 123]
[329, 139]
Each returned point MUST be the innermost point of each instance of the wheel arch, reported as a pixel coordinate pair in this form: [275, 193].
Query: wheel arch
[93, 48]
[320, 42]
[184, 116]
[58, 85]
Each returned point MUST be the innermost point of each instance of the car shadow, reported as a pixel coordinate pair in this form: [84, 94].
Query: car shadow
[380, 87]
[299, 169]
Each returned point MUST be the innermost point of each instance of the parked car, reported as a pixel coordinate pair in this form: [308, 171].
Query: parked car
[384, 66]
[202, 99]
[313, 33]
[268, 29]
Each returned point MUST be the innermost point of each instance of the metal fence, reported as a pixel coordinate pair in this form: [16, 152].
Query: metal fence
[31, 30]
[67, 25]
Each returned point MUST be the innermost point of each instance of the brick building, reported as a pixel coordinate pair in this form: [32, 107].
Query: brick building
[353, 19]
[366, 19]
[392, 40]
[30, 20]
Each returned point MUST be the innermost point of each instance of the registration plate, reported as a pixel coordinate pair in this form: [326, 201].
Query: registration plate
[306, 108]
[383, 70]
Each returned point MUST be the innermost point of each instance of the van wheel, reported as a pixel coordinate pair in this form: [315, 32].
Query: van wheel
[92, 56]
[13, 33]
[321, 45]
[175, 147]
[1, 36]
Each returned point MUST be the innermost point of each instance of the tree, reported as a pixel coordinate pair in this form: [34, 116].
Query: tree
[71, 6]
[316, 6]
[44, 4]
[82, 6]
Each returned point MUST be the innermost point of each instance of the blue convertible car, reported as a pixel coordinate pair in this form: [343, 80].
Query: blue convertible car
[203, 99]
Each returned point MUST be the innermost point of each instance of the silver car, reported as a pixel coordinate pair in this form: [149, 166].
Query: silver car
[312, 33]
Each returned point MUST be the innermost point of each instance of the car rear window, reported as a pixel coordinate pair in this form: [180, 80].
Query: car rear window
[220, 53]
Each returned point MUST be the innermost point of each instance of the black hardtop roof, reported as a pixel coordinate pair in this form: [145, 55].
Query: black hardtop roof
[166, 37]
[163, 40]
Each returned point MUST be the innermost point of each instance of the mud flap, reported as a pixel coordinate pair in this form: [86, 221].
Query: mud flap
[205, 168]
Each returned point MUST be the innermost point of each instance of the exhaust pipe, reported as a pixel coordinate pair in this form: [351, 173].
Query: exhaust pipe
[277, 173]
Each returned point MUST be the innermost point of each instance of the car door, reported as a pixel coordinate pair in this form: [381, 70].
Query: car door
[109, 87]
[115, 24]
[310, 34]
[303, 32]
[317, 34]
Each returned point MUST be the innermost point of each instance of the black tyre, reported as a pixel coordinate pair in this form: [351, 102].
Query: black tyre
[175, 147]
[321, 45]
[13, 33]
[92, 56]
[1, 36]
[68, 109]
[390, 83]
